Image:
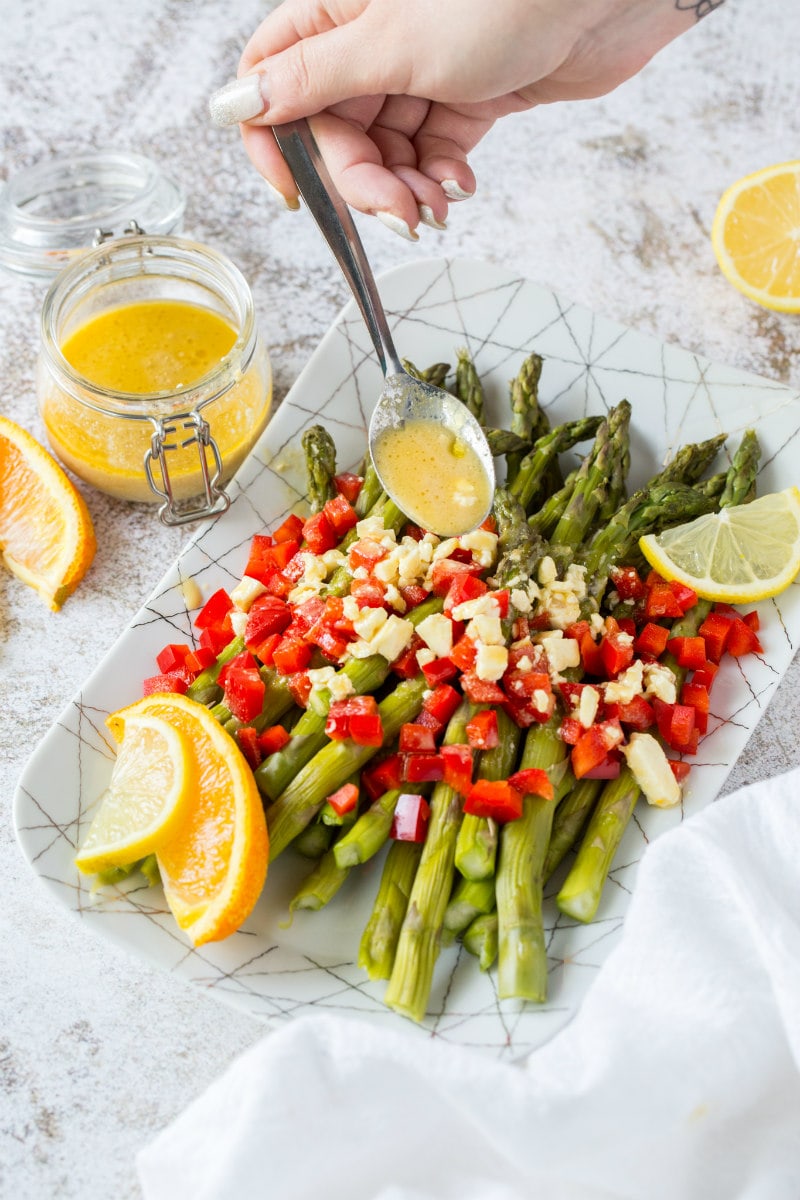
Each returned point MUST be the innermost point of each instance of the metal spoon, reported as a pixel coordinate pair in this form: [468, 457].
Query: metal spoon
[403, 397]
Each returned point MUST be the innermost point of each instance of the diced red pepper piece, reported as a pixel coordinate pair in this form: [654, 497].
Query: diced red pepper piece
[341, 515]
[689, 652]
[265, 651]
[291, 530]
[368, 593]
[283, 553]
[292, 654]
[172, 657]
[481, 691]
[445, 570]
[366, 729]
[413, 594]
[382, 776]
[272, 739]
[279, 583]
[628, 583]
[414, 531]
[249, 746]
[681, 726]
[406, 665]
[441, 704]
[216, 638]
[651, 639]
[715, 630]
[366, 553]
[332, 644]
[267, 615]
[464, 653]
[318, 533]
[594, 745]
[532, 781]
[300, 688]
[571, 730]
[439, 671]
[416, 738]
[609, 768]
[293, 570]
[164, 683]
[260, 563]
[494, 798]
[244, 692]
[637, 714]
[503, 598]
[591, 655]
[426, 718]
[686, 596]
[463, 587]
[661, 602]
[199, 659]
[423, 768]
[679, 768]
[616, 652]
[752, 621]
[337, 722]
[344, 799]
[695, 694]
[348, 485]
[482, 730]
[705, 675]
[742, 639]
[410, 820]
[457, 767]
[244, 660]
[307, 614]
[214, 611]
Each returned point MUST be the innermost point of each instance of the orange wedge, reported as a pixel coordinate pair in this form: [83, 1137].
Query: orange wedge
[214, 864]
[756, 236]
[46, 534]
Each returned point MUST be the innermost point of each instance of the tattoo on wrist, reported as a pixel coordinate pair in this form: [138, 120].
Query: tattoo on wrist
[700, 8]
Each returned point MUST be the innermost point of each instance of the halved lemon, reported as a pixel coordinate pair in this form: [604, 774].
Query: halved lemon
[214, 863]
[46, 534]
[742, 554]
[146, 798]
[756, 236]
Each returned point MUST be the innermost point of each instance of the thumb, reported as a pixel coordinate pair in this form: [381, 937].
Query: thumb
[309, 76]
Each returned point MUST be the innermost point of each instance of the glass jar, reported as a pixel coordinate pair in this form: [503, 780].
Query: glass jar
[163, 446]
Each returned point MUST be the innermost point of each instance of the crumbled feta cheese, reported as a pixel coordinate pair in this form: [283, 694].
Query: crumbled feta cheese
[561, 604]
[246, 591]
[543, 701]
[524, 664]
[321, 676]
[409, 562]
[360, 649]
[425, 656]
[482, 543]
[488, 629]
[481, 606]
[426, 551]
[369, 621]
[576, 578]
[445, 548]
[660, 682]
[561, 652]
[361, 573]
[627, 685]
[547, 571]
[350, 609]
[491, 662]
[333, 559]
[436, 632]
[370, 527]
[521, 601]
[340, 687]
[238, 621]
[394, 598]
[392, 638]
[587, 706]
[597, 623]
[651, 770]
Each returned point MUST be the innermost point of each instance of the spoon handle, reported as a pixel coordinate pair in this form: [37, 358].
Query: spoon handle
[297, 144]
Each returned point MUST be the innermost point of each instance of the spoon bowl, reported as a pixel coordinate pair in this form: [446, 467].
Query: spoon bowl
[416, 415]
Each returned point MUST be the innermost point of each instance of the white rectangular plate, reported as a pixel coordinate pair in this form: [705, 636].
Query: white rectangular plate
[435, 307]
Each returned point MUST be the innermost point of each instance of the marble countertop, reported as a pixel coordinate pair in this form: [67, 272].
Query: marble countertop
[608, 202]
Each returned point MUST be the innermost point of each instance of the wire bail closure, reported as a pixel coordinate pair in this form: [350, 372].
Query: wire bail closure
[215, 499]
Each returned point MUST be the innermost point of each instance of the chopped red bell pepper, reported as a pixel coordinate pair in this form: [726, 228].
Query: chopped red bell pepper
[685, 596]
[457, 767]
[482, 730]
[406, 664]
[616, 653]
[244, 659]
[272, 739]
[283, 553]
[661, 601]
[413, 594]
[439, 671]
[366, 729]
[260, 563]
[368, 593]
[594, 745]
[216, 638]
[441, 704]
[445, 570]
[715, 630]
[249, 746]
[344, 799]
[383, 776]
[348, 485]
[689, 652]
[571, 731]
[318, 533]
[341, 515]
[244, 692]
[494, 798]
[214, 611]
[591, 655]
[199, 659]
[464, 653]
[705, 675]
[300, 688]
[410, 820]
[679, 768]
[651, 639]
[416, 738]
[267, 615]
[676, 724]
[628, 583]
[291, 530]
[481, 691]
[337, 722]
[423, 768]
[265, 651]
[164, 683]
[532, 781]
[636, 714]
[172, 657]
[742, 639]
[609, 768]
[366, 553]
[695, 694]
[292, 654]
[463, 587]
[752, 621]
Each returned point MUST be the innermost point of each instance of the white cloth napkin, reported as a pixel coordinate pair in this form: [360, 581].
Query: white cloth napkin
[678, 1079]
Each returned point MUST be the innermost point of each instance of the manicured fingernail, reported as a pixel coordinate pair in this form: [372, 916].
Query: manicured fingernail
[397, 225]
[453, 191]
[240, 100]
[427, 217]
[290, 202]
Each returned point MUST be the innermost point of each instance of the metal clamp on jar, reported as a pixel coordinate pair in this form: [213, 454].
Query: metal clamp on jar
[175, 444]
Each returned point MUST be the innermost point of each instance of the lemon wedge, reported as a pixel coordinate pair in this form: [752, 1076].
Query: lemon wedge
[146, 798]
[742, 554]
[756, 236]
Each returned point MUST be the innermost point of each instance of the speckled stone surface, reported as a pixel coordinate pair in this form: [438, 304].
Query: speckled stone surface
[609, 202]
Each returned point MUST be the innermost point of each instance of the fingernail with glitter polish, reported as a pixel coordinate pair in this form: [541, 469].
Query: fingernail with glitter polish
[397, 225]
[427, 217]
[240, 100]
[453, 191]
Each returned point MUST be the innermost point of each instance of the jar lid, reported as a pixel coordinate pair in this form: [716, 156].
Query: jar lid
[51, 213]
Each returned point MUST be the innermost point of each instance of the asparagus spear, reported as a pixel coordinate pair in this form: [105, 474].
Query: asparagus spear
[320, 453]
[436, 373]
[530, 475]
[365, 838]
[570, 820]
[470, 898]
[379, 940]
[481, 937]
[527, 419]
[476, 844]
[469, 388]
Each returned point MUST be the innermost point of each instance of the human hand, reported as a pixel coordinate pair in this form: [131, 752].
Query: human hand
[399, 94]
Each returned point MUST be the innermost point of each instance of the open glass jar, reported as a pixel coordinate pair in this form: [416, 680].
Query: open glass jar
[168, 446]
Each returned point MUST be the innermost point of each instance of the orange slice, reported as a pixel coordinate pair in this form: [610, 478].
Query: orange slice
[214, 865]
[46, 534]
[756, 236]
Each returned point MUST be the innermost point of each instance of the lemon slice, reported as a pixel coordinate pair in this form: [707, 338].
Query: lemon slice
[146, 798]
[756, 236]
[743, 553]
